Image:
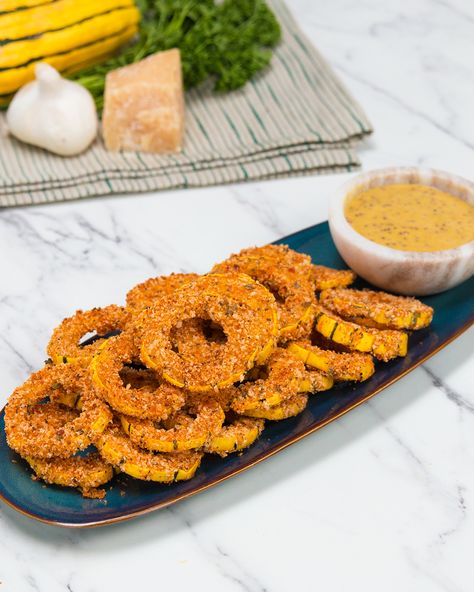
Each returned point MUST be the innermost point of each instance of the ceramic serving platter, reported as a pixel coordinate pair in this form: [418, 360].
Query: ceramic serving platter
[126, 498]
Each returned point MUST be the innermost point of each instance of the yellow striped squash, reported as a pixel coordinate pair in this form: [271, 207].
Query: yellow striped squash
[67, 34]
[11, 5]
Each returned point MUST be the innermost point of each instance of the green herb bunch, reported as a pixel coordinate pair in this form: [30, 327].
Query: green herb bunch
[230, 41]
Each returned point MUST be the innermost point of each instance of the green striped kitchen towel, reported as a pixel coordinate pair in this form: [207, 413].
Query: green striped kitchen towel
[295, 118]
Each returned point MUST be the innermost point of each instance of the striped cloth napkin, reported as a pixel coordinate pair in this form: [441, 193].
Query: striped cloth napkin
[295, 118]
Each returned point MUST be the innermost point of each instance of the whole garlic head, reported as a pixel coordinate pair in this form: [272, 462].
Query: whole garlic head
[53, 113]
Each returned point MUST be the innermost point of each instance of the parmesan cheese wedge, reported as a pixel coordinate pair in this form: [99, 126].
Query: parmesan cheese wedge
[144, 105]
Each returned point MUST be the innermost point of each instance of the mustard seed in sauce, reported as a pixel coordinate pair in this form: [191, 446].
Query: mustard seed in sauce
[411, 217]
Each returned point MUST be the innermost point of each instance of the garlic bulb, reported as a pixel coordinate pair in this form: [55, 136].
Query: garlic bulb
[53, 113]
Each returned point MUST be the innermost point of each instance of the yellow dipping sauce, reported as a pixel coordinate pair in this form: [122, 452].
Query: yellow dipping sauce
[411, 217]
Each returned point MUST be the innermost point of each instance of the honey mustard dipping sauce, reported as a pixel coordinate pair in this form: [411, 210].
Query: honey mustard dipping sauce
[411, 217]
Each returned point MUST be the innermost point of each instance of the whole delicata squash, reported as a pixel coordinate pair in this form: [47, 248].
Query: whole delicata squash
[67, 34]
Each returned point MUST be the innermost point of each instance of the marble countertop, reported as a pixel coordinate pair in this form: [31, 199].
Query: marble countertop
[381, 499]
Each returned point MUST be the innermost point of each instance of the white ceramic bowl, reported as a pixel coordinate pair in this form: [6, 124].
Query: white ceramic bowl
[404, 272]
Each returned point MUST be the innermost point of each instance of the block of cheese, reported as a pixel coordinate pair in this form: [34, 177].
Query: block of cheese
[144, 105]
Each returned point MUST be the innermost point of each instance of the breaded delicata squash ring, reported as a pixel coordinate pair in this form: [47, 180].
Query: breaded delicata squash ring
[383, 344]
[54, 432]
[153, 399]
[283, 375]
[298, 262]
[238, 434]
[378, 309]
[86, 473]
[117, 449]
[64, 346]
[341, 366]
[316, 382]
[244, 309]
[185, 431]
[288, 408]
[145, 294]
[286, 274]
[324, 278]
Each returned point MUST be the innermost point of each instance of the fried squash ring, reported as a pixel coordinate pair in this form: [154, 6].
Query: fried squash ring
[117, 449]
[146, 294]
[316, 382]
[54, 432]
[184, 431]
[383, 344]
[84, 472]
[378, 309]
[284, 374]
[286, 274]
[341, 366]
[244, 309]
[288, 408]
[64, 346]
[239, 433]
[151, 398]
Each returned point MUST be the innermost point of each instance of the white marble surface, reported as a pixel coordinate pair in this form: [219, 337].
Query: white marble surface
[381, 499]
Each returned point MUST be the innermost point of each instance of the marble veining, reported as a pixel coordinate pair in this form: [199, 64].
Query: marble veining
[381, 499]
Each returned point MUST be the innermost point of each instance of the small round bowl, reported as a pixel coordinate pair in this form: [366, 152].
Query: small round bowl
[405, 272]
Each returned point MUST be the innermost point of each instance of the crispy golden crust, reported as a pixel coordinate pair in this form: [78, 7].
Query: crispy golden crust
[86, 473]
[384, 345]
[316, 381]
[284, 374]
[184, 431]
[64, 343]
[148, 292]
[223, 396]
[288, 408]
[324, 278]
[117, 449]
[237, 434]
[342, 366]
[244, 309]
[378, 309]
[286, 274]
[44, 431]
[198, 341]
[298, 261]
[150, 398]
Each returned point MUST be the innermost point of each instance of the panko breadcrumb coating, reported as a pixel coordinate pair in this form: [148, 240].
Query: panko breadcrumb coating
[323, 277]
[287, 408]
[85, 472]
[315, 381]
[235, 435]
[284, 375]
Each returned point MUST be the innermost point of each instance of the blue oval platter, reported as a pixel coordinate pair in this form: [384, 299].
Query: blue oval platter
[126, 498]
